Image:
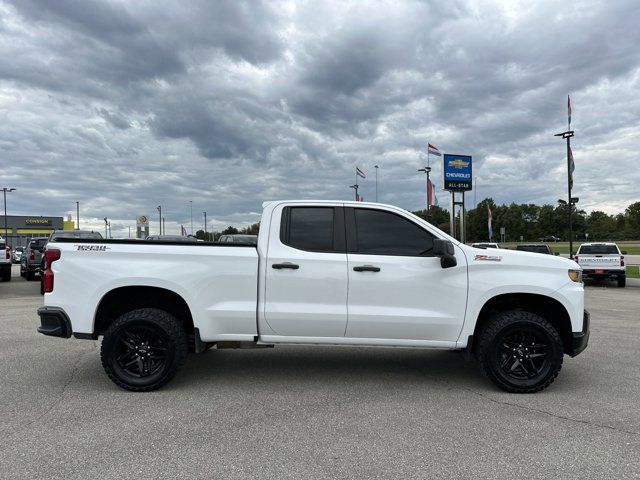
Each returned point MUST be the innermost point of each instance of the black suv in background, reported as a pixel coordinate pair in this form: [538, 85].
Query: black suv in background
[535, 247]
[32, 257]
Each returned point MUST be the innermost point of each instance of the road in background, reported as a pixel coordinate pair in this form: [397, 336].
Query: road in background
[317, 412]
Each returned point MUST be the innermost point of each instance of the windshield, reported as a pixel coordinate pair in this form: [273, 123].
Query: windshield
[598, 250]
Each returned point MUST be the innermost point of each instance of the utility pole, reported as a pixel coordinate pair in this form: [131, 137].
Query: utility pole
[427, 170]
[376, 167]
[77, 215]
[191, 209]
[106, 226]
[110, 235]
[164, 229]
[206, 236]
[159, 208]
[4, 191]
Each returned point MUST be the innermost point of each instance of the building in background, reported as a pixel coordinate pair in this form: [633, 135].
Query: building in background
[21, 228]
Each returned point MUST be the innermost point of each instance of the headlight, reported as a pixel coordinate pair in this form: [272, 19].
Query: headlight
[575, 275]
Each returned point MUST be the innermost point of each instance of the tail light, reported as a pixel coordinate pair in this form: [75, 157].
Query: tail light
[621, 261]
[32, 255]
[50, 256]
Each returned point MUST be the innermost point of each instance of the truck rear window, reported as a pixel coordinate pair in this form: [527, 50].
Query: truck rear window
[598, 250]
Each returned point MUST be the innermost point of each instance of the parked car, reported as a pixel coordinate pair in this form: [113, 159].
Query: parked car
[485, 245]
[337, 273]
[31, 258]
[172, 238]
[17, 254]
[549, 238]
[600, 261]
[247, 239]
[535, 247]
[5, 260]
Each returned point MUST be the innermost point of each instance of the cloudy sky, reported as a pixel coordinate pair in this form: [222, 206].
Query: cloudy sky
[127, 105]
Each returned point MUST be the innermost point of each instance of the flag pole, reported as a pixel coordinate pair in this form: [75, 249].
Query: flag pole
[567, 135]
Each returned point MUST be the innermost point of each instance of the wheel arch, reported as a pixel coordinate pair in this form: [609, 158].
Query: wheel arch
[547, 307]
[121, 300]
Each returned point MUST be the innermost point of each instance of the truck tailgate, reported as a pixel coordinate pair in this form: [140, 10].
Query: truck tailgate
[594, 262]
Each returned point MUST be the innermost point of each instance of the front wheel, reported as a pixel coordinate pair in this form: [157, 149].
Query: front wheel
[520, 352]
[143, 349]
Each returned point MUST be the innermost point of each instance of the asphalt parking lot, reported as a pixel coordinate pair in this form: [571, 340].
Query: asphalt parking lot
[317, 412]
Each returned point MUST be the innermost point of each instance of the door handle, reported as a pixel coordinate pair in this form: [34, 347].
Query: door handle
[366, 268]
[280, 266]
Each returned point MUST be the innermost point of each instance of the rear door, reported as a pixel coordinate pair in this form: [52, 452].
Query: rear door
[306, 272]
[397, 288]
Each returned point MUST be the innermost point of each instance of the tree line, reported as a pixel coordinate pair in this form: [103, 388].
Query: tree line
[522, 222]
[530, 222]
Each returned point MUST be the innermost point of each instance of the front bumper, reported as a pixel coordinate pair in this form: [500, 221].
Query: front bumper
[581, 339]
[54, 322]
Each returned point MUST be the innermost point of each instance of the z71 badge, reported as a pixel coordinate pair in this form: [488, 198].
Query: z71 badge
[91, 248]
[488, 258]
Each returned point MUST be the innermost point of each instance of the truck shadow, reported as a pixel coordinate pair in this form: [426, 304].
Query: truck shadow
[300, 366]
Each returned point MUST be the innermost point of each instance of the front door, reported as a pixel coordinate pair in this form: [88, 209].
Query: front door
[397, 288]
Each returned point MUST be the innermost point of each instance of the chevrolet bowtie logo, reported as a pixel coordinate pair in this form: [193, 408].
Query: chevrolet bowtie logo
[458, 163]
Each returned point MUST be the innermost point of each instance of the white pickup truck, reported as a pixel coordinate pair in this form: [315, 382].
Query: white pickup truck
[322, 273]
[602, 260]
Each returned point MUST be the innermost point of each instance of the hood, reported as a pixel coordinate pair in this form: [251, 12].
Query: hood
[516, 257]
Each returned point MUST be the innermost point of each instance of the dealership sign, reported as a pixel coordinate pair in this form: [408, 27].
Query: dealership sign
[38, 221]
[142, 221]
[457, 172]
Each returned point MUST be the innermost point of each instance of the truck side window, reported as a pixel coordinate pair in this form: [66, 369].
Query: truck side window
[385, 233]
[309, 228]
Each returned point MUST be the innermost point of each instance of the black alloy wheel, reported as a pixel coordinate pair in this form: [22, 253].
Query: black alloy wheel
[140, 351]
[520, 351]
[143, 349]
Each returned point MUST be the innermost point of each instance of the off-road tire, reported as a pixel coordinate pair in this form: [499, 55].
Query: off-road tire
[622, 282]
[170, 335]
[493, 343]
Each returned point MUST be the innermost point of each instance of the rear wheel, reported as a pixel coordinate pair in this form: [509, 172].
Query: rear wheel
[30, 275]
[520, 352]
[622, 282]
[143, 349]
[6, 275]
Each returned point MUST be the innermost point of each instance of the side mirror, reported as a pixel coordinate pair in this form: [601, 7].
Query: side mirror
[444, 249]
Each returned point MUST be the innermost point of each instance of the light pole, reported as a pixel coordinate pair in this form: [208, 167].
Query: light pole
[427, 170]
[106, 225]
[4, 191]
[376, 167]
[206, 237]
[164, 225]
[159, 208]
[191, 209]
[78, 215]
[355, 187]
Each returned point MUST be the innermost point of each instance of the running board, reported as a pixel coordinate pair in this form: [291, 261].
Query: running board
[220, 345]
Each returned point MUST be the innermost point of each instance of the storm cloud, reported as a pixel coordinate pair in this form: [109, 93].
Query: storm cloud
[124, 106]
